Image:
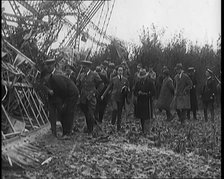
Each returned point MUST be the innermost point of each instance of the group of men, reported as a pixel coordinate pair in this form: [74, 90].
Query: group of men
[94, 89]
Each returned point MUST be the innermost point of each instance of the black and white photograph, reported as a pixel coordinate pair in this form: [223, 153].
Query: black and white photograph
[111, 89]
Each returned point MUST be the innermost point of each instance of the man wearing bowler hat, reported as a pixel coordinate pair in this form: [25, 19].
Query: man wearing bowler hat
[91, 86]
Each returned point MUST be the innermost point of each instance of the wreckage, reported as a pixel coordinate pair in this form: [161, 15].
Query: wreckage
[30, 29]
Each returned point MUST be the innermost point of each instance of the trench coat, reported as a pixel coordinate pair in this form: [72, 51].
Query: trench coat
[166, 94]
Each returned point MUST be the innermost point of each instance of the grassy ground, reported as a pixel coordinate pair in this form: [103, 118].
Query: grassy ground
[170, 151]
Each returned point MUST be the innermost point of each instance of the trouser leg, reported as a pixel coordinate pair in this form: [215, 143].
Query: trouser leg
[195, 114]
[97, 111]
[168, 114]
[91, 110]
[151, 108]
[188, 114]
[212, 111]
[142, 124]
[53, 118]
[68, 117]
[120, 106]
[102, 110]
[205, 112]
[85, 111]
[179, 114]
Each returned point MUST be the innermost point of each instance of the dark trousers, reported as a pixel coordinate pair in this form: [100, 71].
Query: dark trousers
[64, 112]
[151, 107]
[209, 105]
[67, 115]
[116, 114]
[142, 124]
[100, 109]
[168, 114]
[181, 115]
[88, 109]
[189, 113]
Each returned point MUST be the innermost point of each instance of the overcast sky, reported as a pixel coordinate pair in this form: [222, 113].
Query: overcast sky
[200, 20]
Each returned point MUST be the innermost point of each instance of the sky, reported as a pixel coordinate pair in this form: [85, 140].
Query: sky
[199, 20]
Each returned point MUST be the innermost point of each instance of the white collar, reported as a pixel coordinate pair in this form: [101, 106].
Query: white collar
[120, 76]
[53, 71]
[180, 75]
[88, 72]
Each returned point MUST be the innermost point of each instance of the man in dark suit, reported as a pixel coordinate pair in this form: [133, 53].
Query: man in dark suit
[91, 86]
[208, 95]
[62, 98]
[120, 87]
[193, 93]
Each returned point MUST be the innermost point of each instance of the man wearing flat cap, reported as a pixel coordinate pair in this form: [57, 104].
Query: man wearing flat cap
[208, 95]
[91, 86]
[193, 93]
[181, 101]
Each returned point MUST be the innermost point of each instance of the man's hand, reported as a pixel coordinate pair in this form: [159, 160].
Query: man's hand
[101, 97]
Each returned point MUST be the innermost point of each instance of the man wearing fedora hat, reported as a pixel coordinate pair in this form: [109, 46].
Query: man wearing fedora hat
[90, 85]
[208, 94]
[193, 93]
[181, 101]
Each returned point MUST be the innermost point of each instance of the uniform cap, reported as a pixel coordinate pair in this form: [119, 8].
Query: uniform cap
[179, 66]
[98, 69]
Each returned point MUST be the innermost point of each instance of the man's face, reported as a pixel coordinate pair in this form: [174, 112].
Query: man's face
[120, 71]
[138, 68]
[85, 69]
[178, 71]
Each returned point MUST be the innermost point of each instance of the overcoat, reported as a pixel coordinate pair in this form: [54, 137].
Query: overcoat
[166, 94]
[183, 85]
[143, 90]
[209, 91]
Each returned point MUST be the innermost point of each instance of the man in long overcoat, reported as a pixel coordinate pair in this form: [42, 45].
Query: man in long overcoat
[63, 96]
[90, 85]
[166, 94]
[183, 84]
[120, 88]
[144, 88]
[193, 93]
